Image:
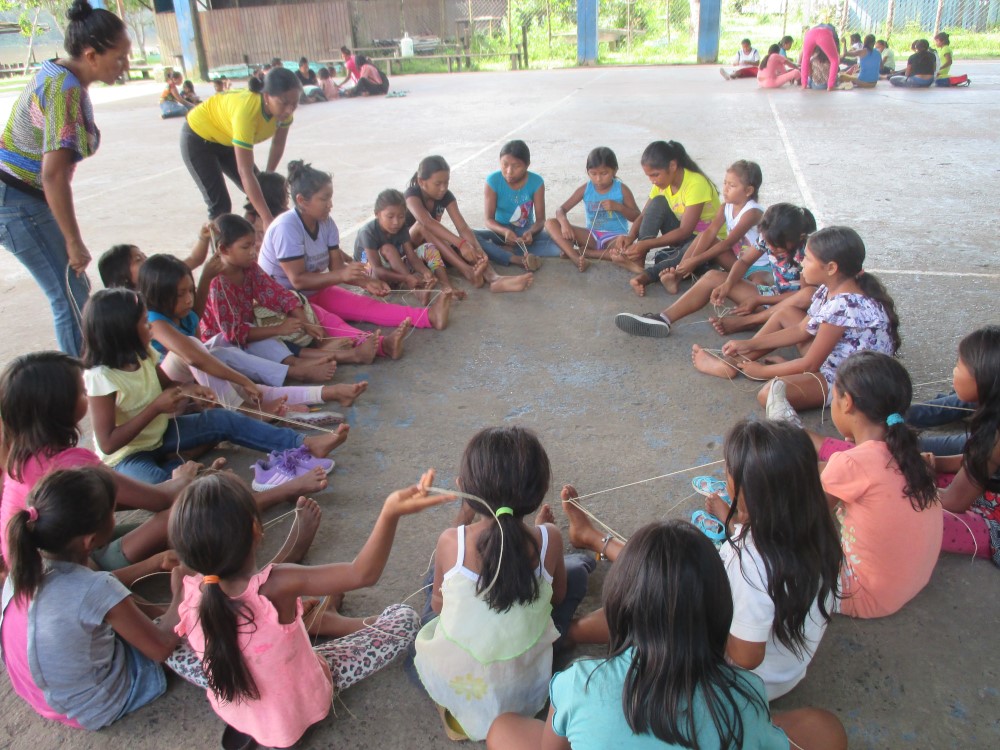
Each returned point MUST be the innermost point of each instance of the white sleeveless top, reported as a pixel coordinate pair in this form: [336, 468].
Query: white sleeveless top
[749, 241]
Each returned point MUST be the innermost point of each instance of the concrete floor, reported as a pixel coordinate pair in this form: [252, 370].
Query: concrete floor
[913, 171]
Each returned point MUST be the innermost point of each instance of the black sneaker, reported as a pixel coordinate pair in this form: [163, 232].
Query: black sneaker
[647, 324]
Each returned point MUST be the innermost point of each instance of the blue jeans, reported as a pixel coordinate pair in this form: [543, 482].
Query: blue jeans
[944, 445]
[29, 231]
[148, 680]
[542, 245]
[206, 428]
[912, 82]
[935, 412]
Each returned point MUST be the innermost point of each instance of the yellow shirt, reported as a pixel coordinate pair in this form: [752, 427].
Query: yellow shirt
[234, 118]
[695, 188]
[133, 391]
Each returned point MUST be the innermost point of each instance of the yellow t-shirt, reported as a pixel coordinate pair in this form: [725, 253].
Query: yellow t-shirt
[695, 188]
[234, 118]
[134, 391]
[945, 70]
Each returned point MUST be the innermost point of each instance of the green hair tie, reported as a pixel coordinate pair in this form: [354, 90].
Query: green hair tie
[504, 511]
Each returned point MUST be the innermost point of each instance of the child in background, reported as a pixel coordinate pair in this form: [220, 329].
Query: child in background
[76, 647]
[301, 251]
[495, 585]
[741, 213]
[681, 205]
[776, 69]
[274, 188]
[850, 311]
[782, 553]
[920, 68]
[427, 200]
[228, 317]
[865, 73]
[884, 492]
[189, 94]
[131, 400]
[327, 85]
[515, 212]
[972, 497]
[665, 682]
[850, 54]
[119, 266]
[746, 60]
[609, 207]
[249, 648]
[172, 101]
[943, 42]
[825, 37]
[384, 245]
[785, 45]
[888, 57]
[782, 231]
[819, 71]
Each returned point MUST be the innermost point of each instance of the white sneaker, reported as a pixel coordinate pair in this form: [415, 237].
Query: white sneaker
[724, 74]
[778, 409]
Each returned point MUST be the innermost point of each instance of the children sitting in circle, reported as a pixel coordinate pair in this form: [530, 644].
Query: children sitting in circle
[609, 208]
[515, 212]
[867, 68]
[920, 70]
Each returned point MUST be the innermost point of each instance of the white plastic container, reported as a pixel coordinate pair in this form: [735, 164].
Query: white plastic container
[406, 45]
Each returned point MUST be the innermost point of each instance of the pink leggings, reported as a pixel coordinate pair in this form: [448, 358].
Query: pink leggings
[334, 306]
[767, 81]
[823, 38]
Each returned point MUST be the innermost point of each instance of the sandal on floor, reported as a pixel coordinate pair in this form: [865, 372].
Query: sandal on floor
[711, 486]
[452, 729]
[709, 525]
[532, 262]
[233, 739]
[317, 418]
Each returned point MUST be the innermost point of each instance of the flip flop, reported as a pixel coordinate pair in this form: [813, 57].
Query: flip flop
[709, 525]
[711, 486]
[317, 418]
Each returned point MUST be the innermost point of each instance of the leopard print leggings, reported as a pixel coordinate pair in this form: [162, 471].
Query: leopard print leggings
[351, 658]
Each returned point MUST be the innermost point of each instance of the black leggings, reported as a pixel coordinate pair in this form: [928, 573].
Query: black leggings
[365, 86]
[208, 162]
[658, 218]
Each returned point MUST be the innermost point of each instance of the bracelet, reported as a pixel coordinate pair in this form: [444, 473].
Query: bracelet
[462, 243]
[604, 548]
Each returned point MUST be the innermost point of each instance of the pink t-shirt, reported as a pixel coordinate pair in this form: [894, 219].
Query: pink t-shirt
[16, 493]
[890, 549]
[294, 682]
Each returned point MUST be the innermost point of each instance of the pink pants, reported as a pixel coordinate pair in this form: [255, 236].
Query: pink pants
[822, 38]
[768, 81]
[334, 306]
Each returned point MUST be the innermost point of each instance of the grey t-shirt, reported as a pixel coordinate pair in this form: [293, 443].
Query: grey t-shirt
[76, 658]
[372, 237]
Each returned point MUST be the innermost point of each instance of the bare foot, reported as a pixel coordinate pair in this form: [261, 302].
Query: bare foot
[315, 355]
[582, 533]
[544, 515]
[626, 263]
[302, 533]
[717, 507]
[423, 296]
[637, 284]
[323, 445]
[582, 264]
[715, 365]
[365, 352]
[392, 344]
[458, 294]
[335, 625]
[337, 344]
[512, 283]
[276, 408]
[312, 482]
[730, 324]
[317, 372]
[437, 313]
[477, 278]
[670, 280]
[344, 393]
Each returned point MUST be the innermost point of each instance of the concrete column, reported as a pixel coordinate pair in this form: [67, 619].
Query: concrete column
[586, 32]
[708, 31]
[186, 16]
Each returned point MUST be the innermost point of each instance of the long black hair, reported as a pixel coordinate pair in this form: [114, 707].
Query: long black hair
[659, 154]
[115, 267]
[786, 225]
[68, 503]
[774, 471]
[602, 156]
[94, 28]
[427, 167]
[507, 467]
[274, 188]
[38, 397]
[667, 599]
[844, 246]
[110, 329]
[212, 527]
[880, 387]
[159, 278]
[231, 228]
[518, 149]
[980, 352]
[306, 180]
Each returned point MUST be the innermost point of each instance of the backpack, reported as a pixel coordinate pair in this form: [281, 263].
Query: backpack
[962, 80]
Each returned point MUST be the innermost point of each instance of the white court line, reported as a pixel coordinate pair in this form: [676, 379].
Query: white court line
[950, 274]
[120, 186]
[793, 163]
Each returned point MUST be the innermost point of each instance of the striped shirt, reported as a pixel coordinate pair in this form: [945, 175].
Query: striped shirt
[52, 113]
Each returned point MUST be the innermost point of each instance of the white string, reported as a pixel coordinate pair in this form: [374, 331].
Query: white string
[258, 413]
[651, 479]
[975, 548]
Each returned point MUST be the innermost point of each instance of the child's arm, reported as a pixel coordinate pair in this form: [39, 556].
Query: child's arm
[561, 212]
[747, 222]
[397, 272]
[556, 563]
[628, 207]
[963, 490]
[539, 199]
[418, 266]
[703, 249]
[156, 641]
[745, 654]
[826, 338]
[111, 437]
[769, 341]
[303, 280]
[462, 227]
[200, 250]
[689, 221]
[203, 292]
[947, 464]
[490, 211]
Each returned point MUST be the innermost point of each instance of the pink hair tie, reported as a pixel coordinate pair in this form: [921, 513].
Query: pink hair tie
[32, 514]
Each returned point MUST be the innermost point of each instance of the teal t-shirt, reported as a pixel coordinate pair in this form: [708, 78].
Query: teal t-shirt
[515, 208]
[587, 710]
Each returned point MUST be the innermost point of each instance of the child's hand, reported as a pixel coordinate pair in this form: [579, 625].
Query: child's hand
[212, 267]
[315, 330]
[355, 274]
[288, 326]
[528, 237]
[509, 237]
[205, 233]
[168, 560]
[930, 459]
[412, 281]
[187, 470]
[169, 401]
[720, 294]
[376, 287]
[611, 206]
[745, 308]
[735, 348]
[685, 267]
[416, 498]
[195, 391]
[633, 253]
[252, 391]
[566, 231]
[753, 369]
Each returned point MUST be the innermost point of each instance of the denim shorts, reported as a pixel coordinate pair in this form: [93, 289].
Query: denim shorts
[147, 678]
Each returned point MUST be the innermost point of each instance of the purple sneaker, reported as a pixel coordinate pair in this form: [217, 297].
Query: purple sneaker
[307, 460]
[275, 471]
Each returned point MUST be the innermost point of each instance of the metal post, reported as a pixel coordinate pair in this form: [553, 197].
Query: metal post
[709, 18]
[192, 50]
[586, 32]
[937, 17]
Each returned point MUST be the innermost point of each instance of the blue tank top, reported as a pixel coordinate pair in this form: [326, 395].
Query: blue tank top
[188, 326]
[870, 66]
[600, 220]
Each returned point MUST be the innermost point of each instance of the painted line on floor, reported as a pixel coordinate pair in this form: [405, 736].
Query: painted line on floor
[947, 274]
[793, 163]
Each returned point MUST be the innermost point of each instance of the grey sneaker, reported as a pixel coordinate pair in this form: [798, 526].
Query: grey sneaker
[778, 409]
[647, 324]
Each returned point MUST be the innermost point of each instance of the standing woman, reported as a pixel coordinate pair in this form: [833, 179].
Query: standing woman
[220, 133]
[50, 129]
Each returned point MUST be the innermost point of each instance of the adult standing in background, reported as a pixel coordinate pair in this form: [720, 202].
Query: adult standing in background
[350, 69]
[825, 37]
[50, 129]
[218, 138]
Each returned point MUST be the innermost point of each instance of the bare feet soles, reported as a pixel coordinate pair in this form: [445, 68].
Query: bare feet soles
[312, 482]
[323, 445]
[437, 313]
[478, 271]
[544, 515]
[319, 371]
[302, 533]
[627, 263]
[670, 280]
[338, 344]
[710, 364]
[638, 285]
[512, 283]
[730, 324]
[321, 354]
[344, 393]
[392, 344]
[582, 533]
[457, 294]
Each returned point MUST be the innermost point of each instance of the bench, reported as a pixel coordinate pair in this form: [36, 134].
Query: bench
[454, 60]
[143, 69]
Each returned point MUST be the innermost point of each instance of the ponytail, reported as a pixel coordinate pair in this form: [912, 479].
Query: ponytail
[225, 669]
[872, 287]
[255, 84]
[980, 353]
[509, 546]
[25, 560]
[659, 154]
[428, 166]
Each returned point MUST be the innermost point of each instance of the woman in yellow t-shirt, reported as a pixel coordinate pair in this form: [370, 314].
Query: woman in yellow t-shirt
[681, 205]
[220, 133]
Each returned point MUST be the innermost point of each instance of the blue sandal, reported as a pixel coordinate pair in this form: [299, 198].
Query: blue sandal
[711, 486]
[709, 525]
